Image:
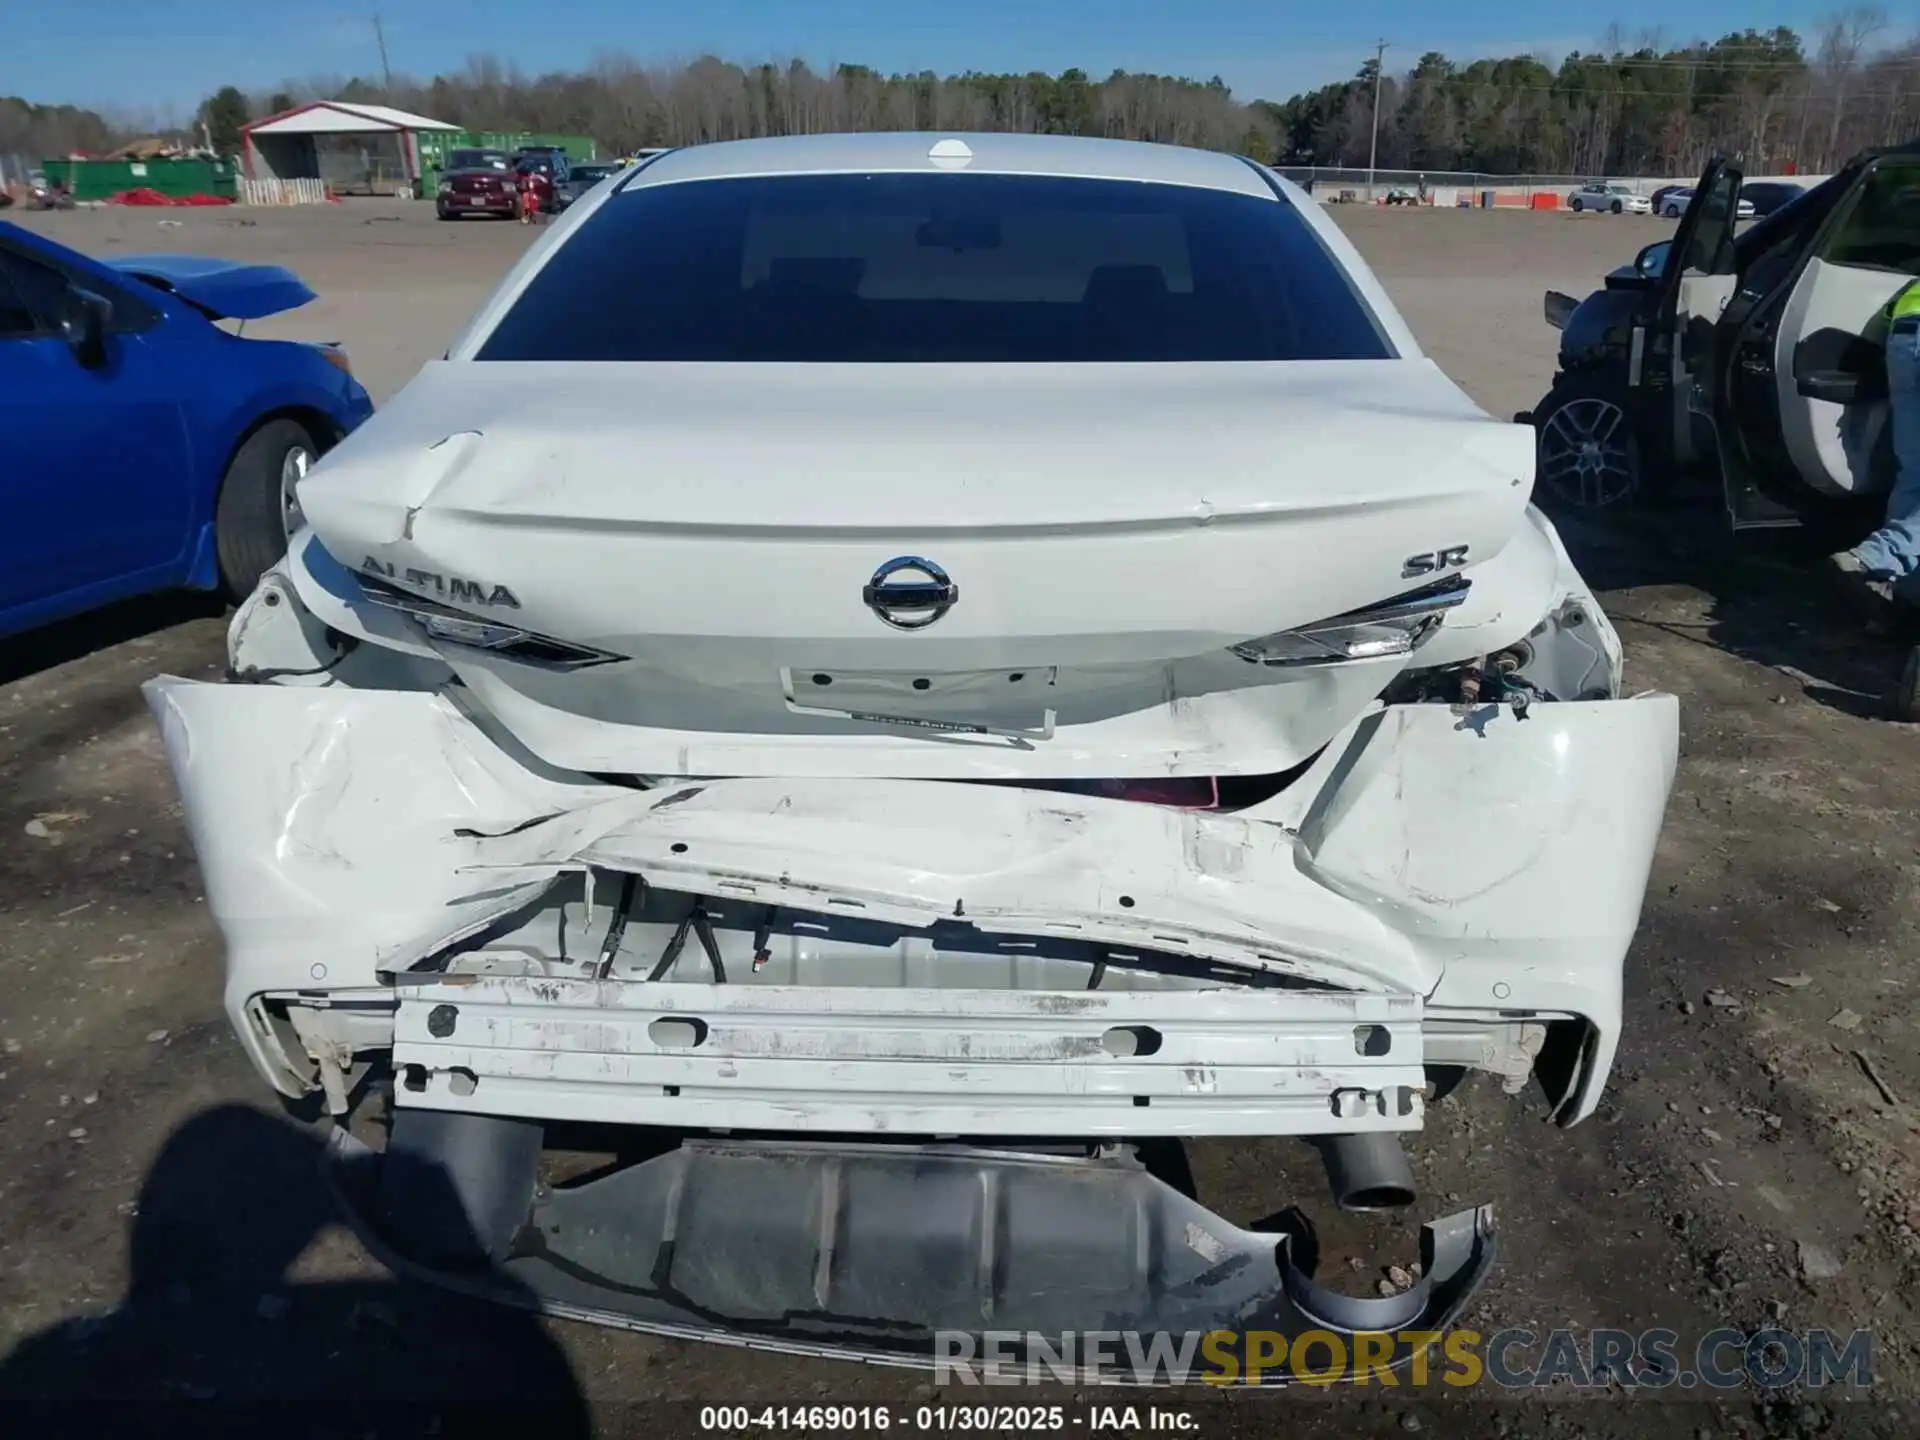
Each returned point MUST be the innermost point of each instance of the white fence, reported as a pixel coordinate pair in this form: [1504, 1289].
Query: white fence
[283, 192]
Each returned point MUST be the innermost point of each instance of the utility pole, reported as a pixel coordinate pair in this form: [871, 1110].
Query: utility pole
[1373, 146]
[386, 70]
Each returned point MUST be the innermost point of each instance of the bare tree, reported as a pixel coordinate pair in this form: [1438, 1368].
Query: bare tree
[1843, 40]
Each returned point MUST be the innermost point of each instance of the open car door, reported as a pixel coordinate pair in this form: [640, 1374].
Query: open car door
[1830, 350]
[1698, 278]
[1805, 389]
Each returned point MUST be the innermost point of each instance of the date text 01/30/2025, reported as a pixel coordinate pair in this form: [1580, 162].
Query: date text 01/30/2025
[733, 1419]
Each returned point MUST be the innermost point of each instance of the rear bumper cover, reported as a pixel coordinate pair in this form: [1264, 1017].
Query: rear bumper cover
[1466, 865]
[917, 1256]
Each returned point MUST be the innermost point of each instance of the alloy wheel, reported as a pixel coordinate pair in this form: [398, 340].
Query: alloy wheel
[293, 468]
[1586, 458]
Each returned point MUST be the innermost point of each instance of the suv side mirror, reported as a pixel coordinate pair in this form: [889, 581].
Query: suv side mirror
[84, 327]
[1652, 261]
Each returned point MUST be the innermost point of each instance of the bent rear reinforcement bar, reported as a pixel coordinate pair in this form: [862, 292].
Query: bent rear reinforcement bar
[1229, 1061]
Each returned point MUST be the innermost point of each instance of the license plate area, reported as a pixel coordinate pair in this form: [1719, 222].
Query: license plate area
[1004, 702]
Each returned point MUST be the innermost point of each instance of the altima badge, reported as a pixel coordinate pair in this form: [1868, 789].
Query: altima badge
[909, 593]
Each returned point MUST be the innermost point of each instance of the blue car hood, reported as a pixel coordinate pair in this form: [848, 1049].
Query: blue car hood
[227, 289]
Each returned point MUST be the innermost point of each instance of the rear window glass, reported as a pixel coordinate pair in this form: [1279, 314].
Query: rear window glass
[930, 268]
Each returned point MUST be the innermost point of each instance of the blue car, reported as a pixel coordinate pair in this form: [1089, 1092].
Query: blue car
[142, 447]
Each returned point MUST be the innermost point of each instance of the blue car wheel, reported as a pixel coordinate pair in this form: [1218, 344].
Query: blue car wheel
[259, 505]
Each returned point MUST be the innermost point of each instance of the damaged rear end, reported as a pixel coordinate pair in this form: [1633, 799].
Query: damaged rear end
[850, 1036]
[786, 873]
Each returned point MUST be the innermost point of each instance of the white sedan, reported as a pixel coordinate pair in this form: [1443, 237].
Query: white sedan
[1611, 196]
[874, 655]
[1674, 203]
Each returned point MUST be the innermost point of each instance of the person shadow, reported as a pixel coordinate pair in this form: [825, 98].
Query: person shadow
[216, 1333]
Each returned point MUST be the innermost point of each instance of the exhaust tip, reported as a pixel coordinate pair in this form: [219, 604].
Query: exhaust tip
[1368, 1171]
[1376, 1197]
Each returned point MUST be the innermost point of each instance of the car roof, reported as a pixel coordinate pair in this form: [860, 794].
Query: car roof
[914, 151]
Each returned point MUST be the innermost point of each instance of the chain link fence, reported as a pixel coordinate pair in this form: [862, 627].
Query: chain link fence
[369, 164]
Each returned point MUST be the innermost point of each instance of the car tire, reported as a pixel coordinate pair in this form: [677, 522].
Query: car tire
[251, 517]
[1575, 205]
[1587, 452]
[1906, 695]
[1616, 207]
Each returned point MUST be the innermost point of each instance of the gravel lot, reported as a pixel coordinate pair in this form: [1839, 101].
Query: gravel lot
[1745, 1168]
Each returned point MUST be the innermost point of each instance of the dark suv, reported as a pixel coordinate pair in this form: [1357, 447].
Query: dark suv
[1753, 360]
[580, 179]
[1769, 195]
[547, 166]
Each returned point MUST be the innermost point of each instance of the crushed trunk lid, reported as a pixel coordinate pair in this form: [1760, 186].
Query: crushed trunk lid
[685, 557]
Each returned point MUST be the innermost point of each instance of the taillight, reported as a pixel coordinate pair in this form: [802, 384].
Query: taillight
[1393, 627]
[455, 627]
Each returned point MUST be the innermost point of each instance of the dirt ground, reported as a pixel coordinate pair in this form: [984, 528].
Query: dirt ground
[162, 1231]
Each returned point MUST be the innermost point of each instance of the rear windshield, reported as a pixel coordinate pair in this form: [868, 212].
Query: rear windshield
[927, 268]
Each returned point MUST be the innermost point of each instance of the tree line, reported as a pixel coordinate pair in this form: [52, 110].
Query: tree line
[626, 105]
[40, 131]
[1773, 99]
[1766, 98]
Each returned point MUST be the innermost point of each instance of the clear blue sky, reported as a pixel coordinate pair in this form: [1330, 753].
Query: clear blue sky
[159, 57]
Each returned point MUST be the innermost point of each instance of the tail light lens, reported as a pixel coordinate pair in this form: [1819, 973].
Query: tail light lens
[1393, 627]
[455, 627]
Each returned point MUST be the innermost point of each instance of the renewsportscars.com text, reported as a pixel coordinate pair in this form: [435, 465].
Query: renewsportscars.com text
[1515, 1358]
